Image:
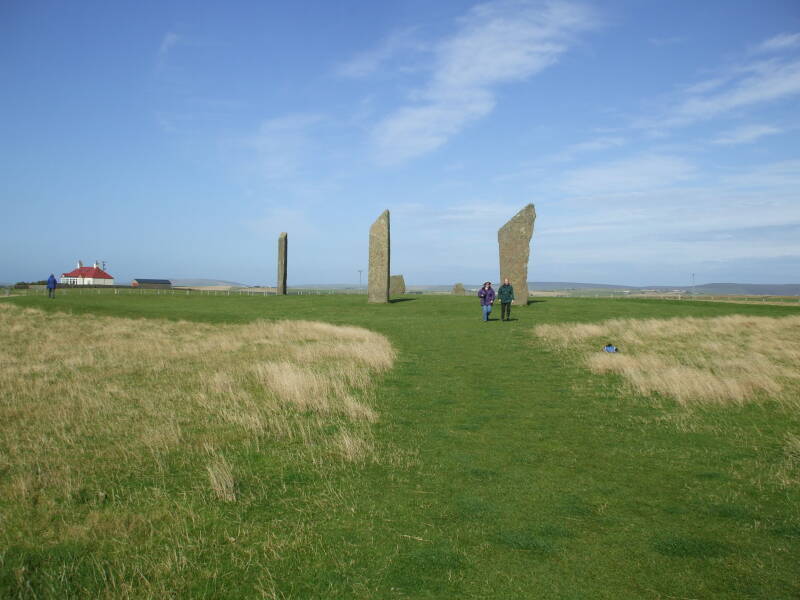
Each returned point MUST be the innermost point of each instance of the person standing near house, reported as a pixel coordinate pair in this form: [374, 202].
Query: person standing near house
[506, 295]
[51, 286]
[486, 294]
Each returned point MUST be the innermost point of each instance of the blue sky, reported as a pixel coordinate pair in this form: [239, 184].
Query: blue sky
[178, 139]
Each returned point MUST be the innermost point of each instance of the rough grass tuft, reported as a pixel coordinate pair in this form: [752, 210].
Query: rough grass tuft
[221, 477]
[731, 359]
[83, 396]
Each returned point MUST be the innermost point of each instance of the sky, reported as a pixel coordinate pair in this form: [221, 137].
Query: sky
[178, 139]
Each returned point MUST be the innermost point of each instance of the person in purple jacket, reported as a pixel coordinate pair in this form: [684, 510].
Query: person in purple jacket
[486, 294]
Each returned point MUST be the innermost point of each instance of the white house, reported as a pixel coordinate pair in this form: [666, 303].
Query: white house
[87, 276]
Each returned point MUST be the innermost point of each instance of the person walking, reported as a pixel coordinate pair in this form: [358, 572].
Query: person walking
[506, 295]
[51, 286]
[486, 294]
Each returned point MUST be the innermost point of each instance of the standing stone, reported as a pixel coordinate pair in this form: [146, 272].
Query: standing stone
[458, 290]
[378, 277]
[282, 249]
[397, 285]
[514, 239]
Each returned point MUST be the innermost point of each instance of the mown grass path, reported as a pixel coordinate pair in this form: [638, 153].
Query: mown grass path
[518, 473]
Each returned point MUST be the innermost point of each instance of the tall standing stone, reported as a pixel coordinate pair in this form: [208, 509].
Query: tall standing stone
[514, 239]
[282, 249]
[397, 285]
[378, 276]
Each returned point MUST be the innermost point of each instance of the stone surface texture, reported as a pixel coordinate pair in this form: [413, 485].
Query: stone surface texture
[458, 290]
[397, 285]
[514, 239]
[282, 249]
[378, 277]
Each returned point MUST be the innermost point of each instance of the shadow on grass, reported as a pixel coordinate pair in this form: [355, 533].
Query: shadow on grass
[535, 302]
[426, 568]
[393, 300]
[522, 539]
[690, 547]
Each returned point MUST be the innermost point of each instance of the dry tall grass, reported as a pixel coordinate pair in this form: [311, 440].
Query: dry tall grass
[731, 359]
[788, 472]
[84, 395]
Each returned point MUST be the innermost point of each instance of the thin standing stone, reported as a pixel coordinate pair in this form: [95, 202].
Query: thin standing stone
[282, 250]
[378, 277]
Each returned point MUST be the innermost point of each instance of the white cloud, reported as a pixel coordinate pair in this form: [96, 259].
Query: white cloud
[593, 145]
[666, 41]
[643, 173]
[450, 236]
[779, 179]
[778, 43]
[708, 85]
[169, 40]
[281, 145]
[745, 134]
[276, 219]
[497, 42]
[416, 130]
[737, 216]
[369, 62]
[653, 215]
[601, 143]
[751, 85]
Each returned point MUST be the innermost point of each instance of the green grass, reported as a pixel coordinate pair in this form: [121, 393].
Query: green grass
[533, 478]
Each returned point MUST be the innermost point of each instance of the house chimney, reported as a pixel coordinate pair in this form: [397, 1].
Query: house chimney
[96, 265]
[80, 264]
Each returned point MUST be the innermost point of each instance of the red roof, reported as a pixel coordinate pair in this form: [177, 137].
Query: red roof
[87, 272]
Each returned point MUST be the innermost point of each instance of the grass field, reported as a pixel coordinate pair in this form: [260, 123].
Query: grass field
[442, 458]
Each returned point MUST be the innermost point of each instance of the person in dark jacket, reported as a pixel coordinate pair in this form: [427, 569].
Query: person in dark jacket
[51, 286]
[486, 294]
[506, 295]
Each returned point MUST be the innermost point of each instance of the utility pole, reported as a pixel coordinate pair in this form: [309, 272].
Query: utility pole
[694, 291]
[359, 277]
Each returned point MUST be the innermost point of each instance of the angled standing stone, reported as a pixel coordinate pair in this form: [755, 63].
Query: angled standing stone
[378, 276]
[397, 285]
[282, 249]
[458, 290]
[514, 239]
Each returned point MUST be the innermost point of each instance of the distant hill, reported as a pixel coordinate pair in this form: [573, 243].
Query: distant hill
[745, 289]
[544, 286]
[547, 286]
[715, 289]
[328, 286]
[204, 283]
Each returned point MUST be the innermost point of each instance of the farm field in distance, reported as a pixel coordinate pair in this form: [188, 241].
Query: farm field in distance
[449, 458]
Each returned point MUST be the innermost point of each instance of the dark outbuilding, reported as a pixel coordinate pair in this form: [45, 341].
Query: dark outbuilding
[154, 284]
